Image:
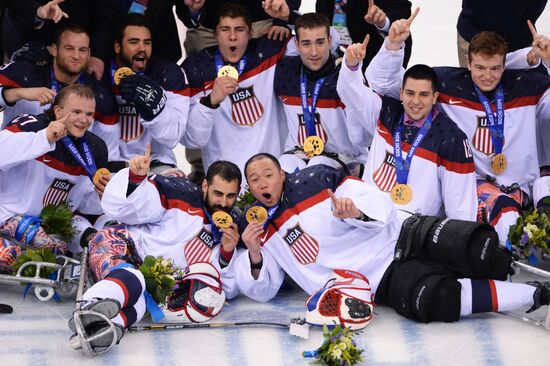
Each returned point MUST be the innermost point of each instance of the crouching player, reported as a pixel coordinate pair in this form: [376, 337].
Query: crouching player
[165, 217]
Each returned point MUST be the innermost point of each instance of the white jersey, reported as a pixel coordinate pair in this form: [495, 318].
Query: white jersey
[306, 241]
[35, 173]
[526, 99]
[248, 121]
[441, 173]
[165, 217]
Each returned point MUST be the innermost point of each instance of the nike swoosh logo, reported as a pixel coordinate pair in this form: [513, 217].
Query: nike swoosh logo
[192, 212]
[46, 160]
[452, 101]
[264, 238]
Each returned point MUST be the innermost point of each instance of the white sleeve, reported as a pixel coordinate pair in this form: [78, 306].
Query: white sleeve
[385, 71]
[459, 194]
[90, 203]
[110, 134]
[201, 123]
[370, 201]
[269, 280]
[543, 106]
[143, 206]
[229, 273]
[17, 147]
[518, 60]
[170, 125]
[362, 105]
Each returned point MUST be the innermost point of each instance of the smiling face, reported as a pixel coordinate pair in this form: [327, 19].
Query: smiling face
[486, 70]
[220, 195]
[232, 35]
[265, 181]
[135, 49]
[72, 54]
[81, 114]
[314, 47]
[418, 98]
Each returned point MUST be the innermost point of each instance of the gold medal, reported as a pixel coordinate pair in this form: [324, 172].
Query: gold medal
[222, 219]
[313, 146]
[401, 194]
[228, 71]
[499, 163]
[256, 214]
[101, 172]
[121, 73]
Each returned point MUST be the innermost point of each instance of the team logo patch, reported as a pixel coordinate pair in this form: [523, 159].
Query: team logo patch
[130, 127]
[246, 109]
[199, 248]
[57, 192]
[385, 177]
[302, 130]
[303, 246]
[482, 137]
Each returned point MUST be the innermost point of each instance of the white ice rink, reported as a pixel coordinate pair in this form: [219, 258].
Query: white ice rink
[37, 334]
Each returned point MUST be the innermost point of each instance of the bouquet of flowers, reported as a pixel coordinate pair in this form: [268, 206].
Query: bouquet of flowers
[339, 348]
[57, 220]
[159, 276]
[36, 255]
[531, 232]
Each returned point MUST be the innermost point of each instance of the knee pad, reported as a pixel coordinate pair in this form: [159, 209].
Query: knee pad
[291, 163]
[424, 292]
[469, 249]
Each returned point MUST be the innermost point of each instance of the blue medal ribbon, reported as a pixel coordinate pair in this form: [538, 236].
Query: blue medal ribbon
[270, 212]
[55, 84]
[216, 234]
[309, 111]
[89, 163]
[402, 166]
[496, 128]
[218, 61]
[26, 221]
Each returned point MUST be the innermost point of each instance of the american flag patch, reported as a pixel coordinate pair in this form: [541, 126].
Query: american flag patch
[482, 137]
[246, 109]
[385, 177]
[199, 249]
[130, 127]
[57, 192]
[303, 246]
[302, 129]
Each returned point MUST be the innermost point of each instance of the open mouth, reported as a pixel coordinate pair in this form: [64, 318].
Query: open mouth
[267, 196]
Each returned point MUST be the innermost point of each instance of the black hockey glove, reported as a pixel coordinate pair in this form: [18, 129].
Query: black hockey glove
[33, 52]
[147, 95]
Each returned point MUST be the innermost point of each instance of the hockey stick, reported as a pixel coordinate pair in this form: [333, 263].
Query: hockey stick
[531, 269]
[175, 326]
[5, 309]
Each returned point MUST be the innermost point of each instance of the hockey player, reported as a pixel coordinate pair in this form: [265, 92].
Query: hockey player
[29, 87]
[496, 108]
[322, 225]
[48, 159]
[160, 216]
[240, 110]
[306, 86]
[419, 157]
[151, 105]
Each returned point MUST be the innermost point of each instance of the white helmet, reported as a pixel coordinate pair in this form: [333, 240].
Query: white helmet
[196, 297]
[346, 300]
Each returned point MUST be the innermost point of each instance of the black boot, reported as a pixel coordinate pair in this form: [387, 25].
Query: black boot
[541, 296]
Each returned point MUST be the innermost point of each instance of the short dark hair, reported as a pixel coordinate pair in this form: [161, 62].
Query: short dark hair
[227, 170]
[311, 21]
[135, 19]
[232, 10]
[74, 28]
[79, 90]
[489, 44]
[261, 156]
[422, 72]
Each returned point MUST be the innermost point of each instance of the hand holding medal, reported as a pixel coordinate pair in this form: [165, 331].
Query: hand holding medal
[256, 214]
[101, 177]
[225, 84]
[222, 219]
[121, 73]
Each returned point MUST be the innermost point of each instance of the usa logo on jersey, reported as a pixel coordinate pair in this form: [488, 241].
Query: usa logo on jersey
[199, 248]
[482, 137]
[57, 192]
[303, 246]
[302, 130]
[385, 177]
[246, 109]
[130, 127]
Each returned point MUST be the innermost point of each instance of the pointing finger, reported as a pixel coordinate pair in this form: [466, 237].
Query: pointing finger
[371, 3]
[148, 151]
[413, 15]
[532, 29]
[366, 41]
[333, 198]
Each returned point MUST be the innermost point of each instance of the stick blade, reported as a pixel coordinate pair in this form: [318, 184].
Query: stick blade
[5, 309]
